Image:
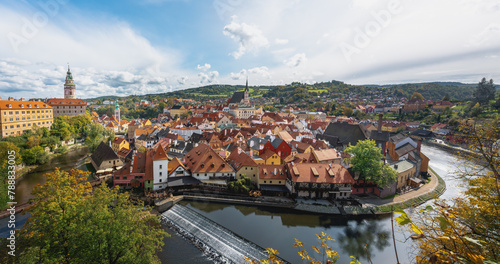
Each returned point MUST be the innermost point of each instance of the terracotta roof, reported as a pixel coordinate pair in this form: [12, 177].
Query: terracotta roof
[123, 152]
[148, 170]
[64, 101]
[160, 154]
[174, 164]
[326, 154]
[203, 159]
[319, 173]
[6, 104]
[301, 147]
[267, 154]
[139, 165]
[285, 136]
[273, 172]
[238, 158]
[118, 140]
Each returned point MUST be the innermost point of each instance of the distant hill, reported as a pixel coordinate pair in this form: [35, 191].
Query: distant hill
[296, 92]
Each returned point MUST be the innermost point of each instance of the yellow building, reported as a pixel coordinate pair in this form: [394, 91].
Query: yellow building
[271, 158]
[16, 117]
[178, 110]
[405, 171]
[119, 143]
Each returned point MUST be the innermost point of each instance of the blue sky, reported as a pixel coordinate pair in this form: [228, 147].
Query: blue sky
[153, 46]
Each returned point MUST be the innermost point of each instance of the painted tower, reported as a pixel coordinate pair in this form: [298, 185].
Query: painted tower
[117, 112]
[69, 86]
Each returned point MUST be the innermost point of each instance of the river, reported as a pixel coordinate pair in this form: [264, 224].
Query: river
[277, 228]
[66, 162]
[25, 185]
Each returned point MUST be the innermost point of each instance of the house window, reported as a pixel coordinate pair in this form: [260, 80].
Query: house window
[160, 168]
[160, 180]
[160, 174]
[270, 181]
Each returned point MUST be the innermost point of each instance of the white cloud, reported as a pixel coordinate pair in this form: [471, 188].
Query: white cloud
[240, 75]
[249, 38]
[279, 41]
[262, 71]
[182, 80]
[296, 60]
[210, 77]
[205, 67]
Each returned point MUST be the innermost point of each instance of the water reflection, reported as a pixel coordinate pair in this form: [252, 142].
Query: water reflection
[357, 234]
[66, 162]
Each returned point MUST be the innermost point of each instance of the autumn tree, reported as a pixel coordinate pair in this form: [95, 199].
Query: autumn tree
[417, 96]
[72, 223]
[366, 159]
[324, 254]
[466, 229]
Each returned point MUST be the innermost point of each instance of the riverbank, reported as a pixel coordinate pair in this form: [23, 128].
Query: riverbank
[29, 168]
[371, 205]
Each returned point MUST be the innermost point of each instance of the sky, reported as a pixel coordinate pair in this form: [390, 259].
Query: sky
[137, 47]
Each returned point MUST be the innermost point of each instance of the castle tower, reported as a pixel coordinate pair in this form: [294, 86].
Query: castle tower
[117, 112]
[69, 86]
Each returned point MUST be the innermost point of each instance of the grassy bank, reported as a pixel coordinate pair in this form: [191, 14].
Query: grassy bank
[441, 187]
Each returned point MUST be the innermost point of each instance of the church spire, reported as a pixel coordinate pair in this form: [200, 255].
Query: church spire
[246, 86]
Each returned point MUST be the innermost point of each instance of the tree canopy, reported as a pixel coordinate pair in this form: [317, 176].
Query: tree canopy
[71, 223]
[366, 158]
[485, 91]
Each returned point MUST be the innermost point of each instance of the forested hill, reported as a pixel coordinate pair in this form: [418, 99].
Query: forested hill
[295, 92]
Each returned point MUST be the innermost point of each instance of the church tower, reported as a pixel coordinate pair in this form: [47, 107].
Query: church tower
[117, 112]
[245, 95]
[69, 86]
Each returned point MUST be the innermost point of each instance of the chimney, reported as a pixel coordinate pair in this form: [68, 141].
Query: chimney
[275, 171]
[379, 125]
[11, 98]
[396, 167]
[251, 153]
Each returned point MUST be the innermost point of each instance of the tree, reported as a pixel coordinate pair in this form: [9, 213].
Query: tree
[71, 223]
[35, 155]
[346, 111]
[95, 134]
[9, 156]
[417, 96]
[466, 229]
[366, 159]
[446, 97]
[242, 185]
[485, 91]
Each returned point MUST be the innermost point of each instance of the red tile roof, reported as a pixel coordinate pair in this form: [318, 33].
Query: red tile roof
[305, 172]
[203, 159]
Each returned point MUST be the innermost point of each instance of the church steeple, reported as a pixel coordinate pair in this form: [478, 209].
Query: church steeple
[246, 101]
[246, 86]
[69, 86]
[117, 112]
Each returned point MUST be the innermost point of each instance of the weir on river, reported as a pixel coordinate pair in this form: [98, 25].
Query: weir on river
[218, 242]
